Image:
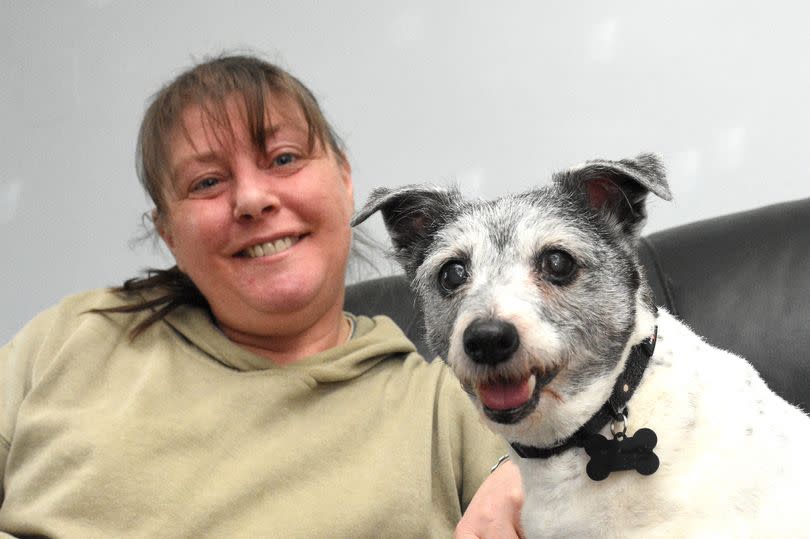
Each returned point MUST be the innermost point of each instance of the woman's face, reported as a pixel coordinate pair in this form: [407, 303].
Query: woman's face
[264, 235]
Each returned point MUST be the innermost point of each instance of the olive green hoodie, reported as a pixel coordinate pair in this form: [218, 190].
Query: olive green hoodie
[182, 433]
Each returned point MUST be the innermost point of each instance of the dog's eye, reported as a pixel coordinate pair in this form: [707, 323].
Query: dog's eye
[452, 275]
[558, 266]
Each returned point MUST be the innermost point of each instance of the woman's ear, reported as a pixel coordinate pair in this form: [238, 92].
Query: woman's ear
[165, 233]
[162, 229]
[346, 178]
[346, 172]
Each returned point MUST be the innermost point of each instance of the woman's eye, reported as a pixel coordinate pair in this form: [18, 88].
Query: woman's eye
[452, 275]
[284, 159]
[205, 183]
[558, 266]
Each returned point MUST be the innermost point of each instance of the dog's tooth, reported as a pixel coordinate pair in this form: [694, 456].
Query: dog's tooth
[532, 383]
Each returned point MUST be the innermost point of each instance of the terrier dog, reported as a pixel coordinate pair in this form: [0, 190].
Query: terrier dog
[622, 421]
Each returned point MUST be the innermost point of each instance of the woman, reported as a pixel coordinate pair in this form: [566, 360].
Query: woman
[230, 395]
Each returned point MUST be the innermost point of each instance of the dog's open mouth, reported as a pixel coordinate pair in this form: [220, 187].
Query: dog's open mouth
[505, 395]
[510, 401]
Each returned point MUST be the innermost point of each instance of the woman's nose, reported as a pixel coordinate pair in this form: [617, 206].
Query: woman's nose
[253, 196]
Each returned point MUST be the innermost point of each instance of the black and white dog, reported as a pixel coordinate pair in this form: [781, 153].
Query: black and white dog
[623, 422]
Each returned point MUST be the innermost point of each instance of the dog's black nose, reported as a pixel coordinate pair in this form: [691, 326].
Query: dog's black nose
[490, 341]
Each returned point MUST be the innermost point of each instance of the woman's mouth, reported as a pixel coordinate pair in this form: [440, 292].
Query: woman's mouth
[270, 248]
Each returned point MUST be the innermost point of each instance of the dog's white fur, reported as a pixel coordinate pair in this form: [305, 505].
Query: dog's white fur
[732, 457]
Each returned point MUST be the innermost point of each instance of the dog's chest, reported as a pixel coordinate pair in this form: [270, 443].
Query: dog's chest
[561, 501]
[728, 447]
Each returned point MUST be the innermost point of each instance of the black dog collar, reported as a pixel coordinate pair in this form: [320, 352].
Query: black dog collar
[615, 409]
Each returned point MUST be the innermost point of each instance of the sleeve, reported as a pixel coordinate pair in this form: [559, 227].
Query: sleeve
[11, 392]
[17, 360]
[6, 403]
[475, 448]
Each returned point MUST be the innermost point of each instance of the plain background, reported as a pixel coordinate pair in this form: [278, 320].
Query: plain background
[492, 95]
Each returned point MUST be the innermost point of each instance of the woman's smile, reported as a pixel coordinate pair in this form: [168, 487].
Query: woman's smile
[269, 248]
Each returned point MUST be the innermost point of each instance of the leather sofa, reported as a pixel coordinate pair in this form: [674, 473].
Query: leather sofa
[742, 281]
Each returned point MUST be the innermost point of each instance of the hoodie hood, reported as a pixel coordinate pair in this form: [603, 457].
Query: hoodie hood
[373, 340]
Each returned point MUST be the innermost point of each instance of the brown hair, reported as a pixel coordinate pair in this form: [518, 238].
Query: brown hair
[207, 86]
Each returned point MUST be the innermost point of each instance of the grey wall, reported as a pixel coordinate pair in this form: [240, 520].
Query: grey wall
[493, 95]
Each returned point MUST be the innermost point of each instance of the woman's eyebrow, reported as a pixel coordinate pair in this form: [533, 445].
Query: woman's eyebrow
[207, 157]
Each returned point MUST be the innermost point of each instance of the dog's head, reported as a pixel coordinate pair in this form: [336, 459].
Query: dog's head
[534, 300]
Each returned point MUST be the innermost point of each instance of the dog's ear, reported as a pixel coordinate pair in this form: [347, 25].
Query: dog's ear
[618, 189]
[412, 215]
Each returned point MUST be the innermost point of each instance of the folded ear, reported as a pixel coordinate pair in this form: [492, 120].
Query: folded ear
[412, 215]
[618, 189]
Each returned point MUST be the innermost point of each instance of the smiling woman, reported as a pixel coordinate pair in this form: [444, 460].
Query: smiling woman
[262, 230]
[230, 395]
[239, 160]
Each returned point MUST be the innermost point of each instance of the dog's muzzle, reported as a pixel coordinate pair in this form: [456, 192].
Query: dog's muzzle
[490, 342]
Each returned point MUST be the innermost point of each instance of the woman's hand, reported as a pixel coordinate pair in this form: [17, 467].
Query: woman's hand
[494, 512]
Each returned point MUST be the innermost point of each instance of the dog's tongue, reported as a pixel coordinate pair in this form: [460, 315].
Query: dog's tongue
[505, 395]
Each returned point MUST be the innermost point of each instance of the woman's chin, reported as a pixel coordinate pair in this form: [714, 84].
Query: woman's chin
[264, 301]
[287, 299]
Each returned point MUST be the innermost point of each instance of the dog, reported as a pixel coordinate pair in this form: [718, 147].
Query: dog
[622, 421]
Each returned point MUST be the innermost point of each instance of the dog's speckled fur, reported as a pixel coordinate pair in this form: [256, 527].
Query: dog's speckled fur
[731, 451]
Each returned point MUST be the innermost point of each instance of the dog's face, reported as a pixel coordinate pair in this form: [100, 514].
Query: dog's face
[532, 299]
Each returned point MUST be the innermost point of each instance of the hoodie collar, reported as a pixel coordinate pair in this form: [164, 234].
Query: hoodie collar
[373, 340]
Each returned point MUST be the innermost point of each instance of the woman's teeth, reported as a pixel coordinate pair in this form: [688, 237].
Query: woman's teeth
[271, 247]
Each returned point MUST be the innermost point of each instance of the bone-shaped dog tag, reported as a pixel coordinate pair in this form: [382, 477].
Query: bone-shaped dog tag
[621, 453]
